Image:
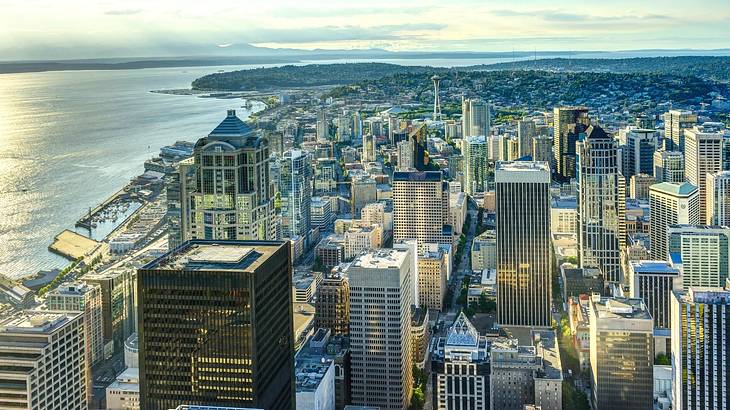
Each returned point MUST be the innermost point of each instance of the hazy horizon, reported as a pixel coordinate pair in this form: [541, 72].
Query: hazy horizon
[47, 30]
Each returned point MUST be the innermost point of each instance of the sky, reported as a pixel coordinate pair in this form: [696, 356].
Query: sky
[59, 29]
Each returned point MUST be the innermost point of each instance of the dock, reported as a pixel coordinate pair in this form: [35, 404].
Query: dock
[72, 246]
[87, 221]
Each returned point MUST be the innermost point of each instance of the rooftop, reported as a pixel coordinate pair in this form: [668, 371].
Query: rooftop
[674, 188]
[462, 333]
[540, 166]
[653, 267]
[231, 126]
[36, 321]
[381, 259]
[620, 308]
[217, 255]
[417, 176]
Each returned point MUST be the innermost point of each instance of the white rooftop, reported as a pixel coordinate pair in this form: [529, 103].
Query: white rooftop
[219, 254]
[382, 259]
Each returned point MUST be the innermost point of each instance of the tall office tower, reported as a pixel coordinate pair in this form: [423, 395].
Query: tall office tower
[668, 166]
[565, 137]
[526, 131]
[523, 243]
[432, 267]
[43, 361]
[701, 349]
[421, 207]
[702, 252]
[718, 198]
[675, 122]
[638, 150]
[475, 117]
[639, 186]
[178, 183]
[671, 203]
[622, 354]
[465, 363]
[475, 164]
[232, 197]
[332, 308]
[86, 298]
[653, 282]
[405, 155]
[702, 156]
[119, 312]
[215, 326]
[323, 126]
[601, 204]
[296, 193]
[380, 328]
[368, 148]
[419, 138]
[542, 149]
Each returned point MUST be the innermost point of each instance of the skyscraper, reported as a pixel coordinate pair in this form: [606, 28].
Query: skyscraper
[475, 164]
[601, 204]
[702, 252]
[565, 135]
[421, 207]
[718, 198]
[671, 203]
[638, 150]
[622, 354]
[526, 131]
[368, 148]
[675, 122]
[332, 309]
[702, 155]
[542, 149]
[668, 166]
[215, 326]
[296, 193]
[639, 186]
[523, 243]
[419, 140]
[323, 126]
[232, 195]
[653, 282]
[476, 117]
[380, 328]
[432, 267]
[701, 348]
[43, 361]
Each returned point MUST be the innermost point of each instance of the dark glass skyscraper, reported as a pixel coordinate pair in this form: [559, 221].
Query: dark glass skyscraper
[215, 326]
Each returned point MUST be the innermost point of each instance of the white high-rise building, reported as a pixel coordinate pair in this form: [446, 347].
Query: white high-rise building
[601, 204]
[323, 126]
[82, 297]
[405, 155]
[523, 243]
[44, 365]
[702, 253]
[718, 198]
[671, 203]
[702, 156]
[380, 328]
[475, 154]
[701, 348]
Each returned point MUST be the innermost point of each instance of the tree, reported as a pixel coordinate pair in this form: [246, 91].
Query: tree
[662, 360]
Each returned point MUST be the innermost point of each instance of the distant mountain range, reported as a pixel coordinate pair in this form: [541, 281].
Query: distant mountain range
[244, 54]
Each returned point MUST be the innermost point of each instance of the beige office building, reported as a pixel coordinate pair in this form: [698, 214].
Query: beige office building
[380, 329]
[702, 156]
[421, 208]
[675, 122]
[44, 363]
[432, 279]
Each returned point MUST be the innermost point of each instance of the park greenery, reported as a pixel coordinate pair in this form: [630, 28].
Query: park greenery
[69, 270]
[418, 399]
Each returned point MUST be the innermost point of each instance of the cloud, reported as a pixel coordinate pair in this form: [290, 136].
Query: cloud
[340, 33]
[568, 17]
[122, 12]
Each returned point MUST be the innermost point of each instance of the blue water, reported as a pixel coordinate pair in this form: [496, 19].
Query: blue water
[73, 138]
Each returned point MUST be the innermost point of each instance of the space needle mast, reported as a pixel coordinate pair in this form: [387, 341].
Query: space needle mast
[436, 98]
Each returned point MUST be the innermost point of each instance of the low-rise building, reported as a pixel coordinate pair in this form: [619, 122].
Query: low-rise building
[315, 374]
[484, 251]
[432, 279]
[564, 215]
[420, 336]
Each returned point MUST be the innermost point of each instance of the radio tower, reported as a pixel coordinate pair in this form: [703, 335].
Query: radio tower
[436, 98]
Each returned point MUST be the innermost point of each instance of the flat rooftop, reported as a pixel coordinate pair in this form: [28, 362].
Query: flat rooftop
[36, 321]
[620, 308]
[538, 166]
[381, 259]
[648, 267]
[217, 255]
